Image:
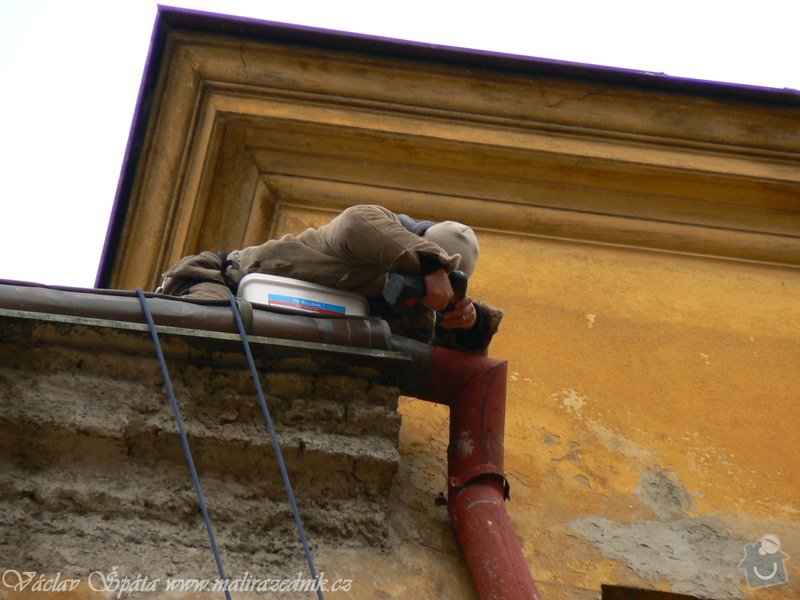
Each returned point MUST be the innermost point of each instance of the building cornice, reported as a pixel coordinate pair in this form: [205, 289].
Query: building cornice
[237, 118]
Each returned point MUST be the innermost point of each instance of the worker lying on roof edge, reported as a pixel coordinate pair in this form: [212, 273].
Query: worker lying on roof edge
[355, 252]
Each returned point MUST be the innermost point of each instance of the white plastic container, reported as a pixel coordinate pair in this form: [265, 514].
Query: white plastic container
[294, 295]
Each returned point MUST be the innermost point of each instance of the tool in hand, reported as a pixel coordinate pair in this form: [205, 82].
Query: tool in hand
[403, 292]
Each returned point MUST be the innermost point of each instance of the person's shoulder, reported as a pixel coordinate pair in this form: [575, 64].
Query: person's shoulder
[369, 209]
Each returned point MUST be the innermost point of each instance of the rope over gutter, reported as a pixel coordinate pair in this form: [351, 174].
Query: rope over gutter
[276, 447]
[187, 452]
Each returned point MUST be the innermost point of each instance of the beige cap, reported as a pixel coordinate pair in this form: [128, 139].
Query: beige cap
[456, 238]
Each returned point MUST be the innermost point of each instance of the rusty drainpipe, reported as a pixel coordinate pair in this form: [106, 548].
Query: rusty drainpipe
[474, 387]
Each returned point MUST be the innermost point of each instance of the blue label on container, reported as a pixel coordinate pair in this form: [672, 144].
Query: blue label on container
[306, 304]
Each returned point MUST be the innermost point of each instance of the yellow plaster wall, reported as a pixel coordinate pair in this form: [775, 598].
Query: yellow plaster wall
[686, 362]
[627, 365]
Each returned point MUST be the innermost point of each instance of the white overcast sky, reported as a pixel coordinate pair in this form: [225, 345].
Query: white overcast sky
[70, 73]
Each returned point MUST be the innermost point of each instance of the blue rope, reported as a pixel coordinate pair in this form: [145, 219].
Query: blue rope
[184, 439]
[278, 454]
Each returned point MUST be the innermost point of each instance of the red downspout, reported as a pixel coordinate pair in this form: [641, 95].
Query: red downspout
[474, 387]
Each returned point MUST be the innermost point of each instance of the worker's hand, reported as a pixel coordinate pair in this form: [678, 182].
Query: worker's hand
[439, 292]
[463, 316]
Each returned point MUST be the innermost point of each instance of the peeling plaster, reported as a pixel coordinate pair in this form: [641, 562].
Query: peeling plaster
[574, 403]
[571, 400]
[619, 443]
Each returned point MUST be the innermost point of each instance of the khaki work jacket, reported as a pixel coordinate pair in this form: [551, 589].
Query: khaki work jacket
[355, 252]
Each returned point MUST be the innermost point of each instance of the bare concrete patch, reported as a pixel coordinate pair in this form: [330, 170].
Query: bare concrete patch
[696, 555]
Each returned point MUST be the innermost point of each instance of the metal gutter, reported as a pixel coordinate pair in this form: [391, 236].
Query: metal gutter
[255, 340]
[209, 319]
